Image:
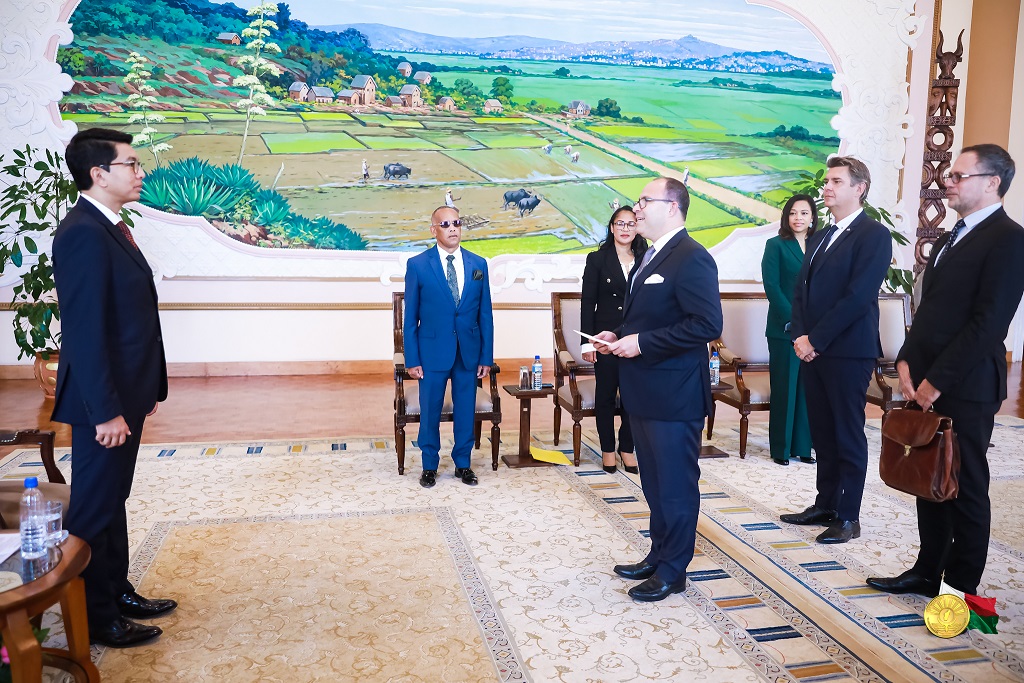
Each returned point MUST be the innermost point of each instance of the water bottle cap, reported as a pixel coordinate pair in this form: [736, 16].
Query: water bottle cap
[31, 482]
[714, 353]
[536, 357]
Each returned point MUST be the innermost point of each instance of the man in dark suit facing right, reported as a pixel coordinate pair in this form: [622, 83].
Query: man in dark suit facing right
[954, 358]
[834, 327]
[112, 373]
[672, 312]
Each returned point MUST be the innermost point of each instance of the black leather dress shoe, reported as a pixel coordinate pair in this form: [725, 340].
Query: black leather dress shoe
[635, 572]
[428, 478]
[780, 461]
[654, 589]
[812, 515]
[467, 476]
[135, 606]
[839, 532]
[123, 633]
[808, 459]
[907, 582]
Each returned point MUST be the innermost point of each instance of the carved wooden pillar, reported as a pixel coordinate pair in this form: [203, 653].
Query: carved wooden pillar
[937, 157]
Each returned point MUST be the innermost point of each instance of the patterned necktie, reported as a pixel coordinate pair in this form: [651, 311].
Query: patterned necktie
[648, 255]
[127, 234]
[957, 227]
[453, 281]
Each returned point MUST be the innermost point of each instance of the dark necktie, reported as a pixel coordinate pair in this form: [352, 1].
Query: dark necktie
[453, 280]
[647, 259]
[824, 243]
[957, 227]
[127, 234]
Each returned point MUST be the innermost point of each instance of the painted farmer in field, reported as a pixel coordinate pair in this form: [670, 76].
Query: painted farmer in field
[449, 336]
[366, 171]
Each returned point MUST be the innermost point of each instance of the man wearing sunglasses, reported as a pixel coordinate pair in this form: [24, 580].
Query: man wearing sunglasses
[672, 312]
[954, 358]
[112, 373]
[449, 337]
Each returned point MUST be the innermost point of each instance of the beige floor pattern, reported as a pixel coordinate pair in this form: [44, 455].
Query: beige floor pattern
[331, 535]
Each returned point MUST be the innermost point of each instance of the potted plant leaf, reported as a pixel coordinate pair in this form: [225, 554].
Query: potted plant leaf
[37, 193]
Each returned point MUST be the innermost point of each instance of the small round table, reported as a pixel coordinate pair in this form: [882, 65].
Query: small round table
[45, 582]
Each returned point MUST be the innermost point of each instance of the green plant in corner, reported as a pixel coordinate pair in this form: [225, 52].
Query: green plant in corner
[896, 279]
[38, 193]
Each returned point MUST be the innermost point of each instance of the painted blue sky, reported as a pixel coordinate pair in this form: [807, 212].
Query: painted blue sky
[733, 23]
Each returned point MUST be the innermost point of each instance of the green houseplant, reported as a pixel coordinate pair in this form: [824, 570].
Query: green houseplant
[37, 193]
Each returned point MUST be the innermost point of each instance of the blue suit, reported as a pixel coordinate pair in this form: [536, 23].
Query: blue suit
[835, 303]
[675, 309]
[449, 342]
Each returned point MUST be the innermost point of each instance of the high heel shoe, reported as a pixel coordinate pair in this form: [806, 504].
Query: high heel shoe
[632, 469]
[610, 469]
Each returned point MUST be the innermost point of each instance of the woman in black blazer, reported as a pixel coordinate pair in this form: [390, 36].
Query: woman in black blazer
[606, 280]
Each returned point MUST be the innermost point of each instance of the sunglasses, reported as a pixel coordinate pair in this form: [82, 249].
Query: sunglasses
[447, 224]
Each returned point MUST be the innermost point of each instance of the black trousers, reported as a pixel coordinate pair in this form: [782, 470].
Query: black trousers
[101, 481]
[955, 534]
[606, 373]
[669, 474]
[837, 390]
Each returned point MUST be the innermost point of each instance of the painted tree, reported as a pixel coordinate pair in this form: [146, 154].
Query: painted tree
[256, 66]
[141, 103]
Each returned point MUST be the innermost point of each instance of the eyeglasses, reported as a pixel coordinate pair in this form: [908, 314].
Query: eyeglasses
[447, 224]
[135, 165]
[955, 178]
[643, 201]
[624, 224]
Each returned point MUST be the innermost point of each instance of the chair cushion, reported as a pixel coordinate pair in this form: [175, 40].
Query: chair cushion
[757, 382]
[893, 383]
[588, 389]
[412, 400]
[10, 499]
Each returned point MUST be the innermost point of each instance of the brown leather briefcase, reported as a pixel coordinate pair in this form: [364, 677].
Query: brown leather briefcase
[920, 455]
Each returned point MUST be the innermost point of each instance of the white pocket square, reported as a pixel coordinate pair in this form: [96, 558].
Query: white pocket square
[654, 279]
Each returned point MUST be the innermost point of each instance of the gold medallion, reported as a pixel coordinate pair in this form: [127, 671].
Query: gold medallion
[947, 615]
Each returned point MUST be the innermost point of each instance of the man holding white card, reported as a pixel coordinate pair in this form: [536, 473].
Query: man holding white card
[672, 312]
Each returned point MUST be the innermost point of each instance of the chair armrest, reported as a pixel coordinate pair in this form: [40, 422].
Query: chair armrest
[398, 359]
[727, 356]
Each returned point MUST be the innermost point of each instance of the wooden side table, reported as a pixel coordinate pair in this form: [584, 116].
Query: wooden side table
[709, 452]
[61, 583]
[524, 459]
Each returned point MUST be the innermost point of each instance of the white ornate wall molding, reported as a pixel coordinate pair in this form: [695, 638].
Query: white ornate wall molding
[870, 43]
[868, 40]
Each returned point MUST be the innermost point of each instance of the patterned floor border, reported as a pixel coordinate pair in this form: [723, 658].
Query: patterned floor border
[605, 491]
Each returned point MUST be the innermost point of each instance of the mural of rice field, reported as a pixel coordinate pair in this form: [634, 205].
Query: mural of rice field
[323, 125]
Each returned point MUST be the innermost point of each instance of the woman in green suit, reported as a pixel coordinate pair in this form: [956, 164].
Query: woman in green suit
[788, 431]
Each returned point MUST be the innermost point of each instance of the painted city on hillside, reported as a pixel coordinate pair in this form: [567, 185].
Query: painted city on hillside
[286, 129]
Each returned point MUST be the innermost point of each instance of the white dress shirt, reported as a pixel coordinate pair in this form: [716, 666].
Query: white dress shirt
[460, 270]
[107, 213]
[970, 222]
[842, 226]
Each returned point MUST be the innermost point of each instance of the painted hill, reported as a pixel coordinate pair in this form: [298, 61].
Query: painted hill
[688, 52]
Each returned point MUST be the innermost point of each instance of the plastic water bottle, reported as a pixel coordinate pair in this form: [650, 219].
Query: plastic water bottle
[33, 523]
[715, 366]
[538, 376]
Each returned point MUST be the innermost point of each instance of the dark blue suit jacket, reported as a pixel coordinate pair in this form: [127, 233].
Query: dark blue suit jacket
[112, 354]
[676, 319]
[835, 301]
[434, 327]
